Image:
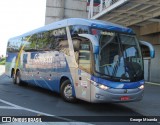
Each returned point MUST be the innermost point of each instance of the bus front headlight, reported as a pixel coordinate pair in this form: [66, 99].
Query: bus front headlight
[141, 87]
[99, 85]
[103, 87]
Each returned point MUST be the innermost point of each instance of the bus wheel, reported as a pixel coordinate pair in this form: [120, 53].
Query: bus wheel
[66, 91]
[18, 78]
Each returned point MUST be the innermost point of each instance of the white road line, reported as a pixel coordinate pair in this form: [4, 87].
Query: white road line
[34, 111]
[8, 107]
[23, 108]
[158, 84]
[38, 112]
[11, 104]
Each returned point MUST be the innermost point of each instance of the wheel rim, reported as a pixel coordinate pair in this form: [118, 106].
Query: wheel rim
[68, 91]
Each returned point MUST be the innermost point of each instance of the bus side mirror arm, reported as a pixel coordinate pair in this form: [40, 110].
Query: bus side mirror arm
[150, 46]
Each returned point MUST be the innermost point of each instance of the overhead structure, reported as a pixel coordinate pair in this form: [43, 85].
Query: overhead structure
[128, 12]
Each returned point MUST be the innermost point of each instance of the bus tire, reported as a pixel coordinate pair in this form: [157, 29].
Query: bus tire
[66, 91]
[18, 78]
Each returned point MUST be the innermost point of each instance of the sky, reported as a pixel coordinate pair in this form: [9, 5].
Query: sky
[18, 17]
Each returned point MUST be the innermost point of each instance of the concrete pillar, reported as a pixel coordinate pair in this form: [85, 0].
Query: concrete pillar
[60, 9]
[155, 66]
[54, 10]
[150, 33]
[76, 9]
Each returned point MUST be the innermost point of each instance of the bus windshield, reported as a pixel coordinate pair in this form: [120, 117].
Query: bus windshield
[119, 56]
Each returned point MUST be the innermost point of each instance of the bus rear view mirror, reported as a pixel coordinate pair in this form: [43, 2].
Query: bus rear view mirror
[93, 40]
[150, 47]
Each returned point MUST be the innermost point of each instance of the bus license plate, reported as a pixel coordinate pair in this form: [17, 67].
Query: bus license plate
[124, 98]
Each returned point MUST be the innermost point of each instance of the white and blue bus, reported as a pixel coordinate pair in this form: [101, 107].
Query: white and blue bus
[91, 60]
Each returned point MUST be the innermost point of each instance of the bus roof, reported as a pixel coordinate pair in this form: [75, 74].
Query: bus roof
[80, 21]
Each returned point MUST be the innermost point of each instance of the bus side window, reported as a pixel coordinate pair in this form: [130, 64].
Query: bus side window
[14, 45]
[30, 43]
[44, 41]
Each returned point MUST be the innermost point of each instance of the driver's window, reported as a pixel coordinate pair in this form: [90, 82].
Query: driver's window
[82, 53]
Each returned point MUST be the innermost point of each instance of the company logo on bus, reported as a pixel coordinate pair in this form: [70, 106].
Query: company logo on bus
[49, 60]
[59, 32]
[41, 58]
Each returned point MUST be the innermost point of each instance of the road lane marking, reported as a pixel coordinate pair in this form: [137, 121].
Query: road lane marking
[8, 107]
[23, 108]
[11, 104]
[14, 106]
[158, 84]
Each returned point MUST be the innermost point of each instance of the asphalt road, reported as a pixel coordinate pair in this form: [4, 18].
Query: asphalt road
[33, 101]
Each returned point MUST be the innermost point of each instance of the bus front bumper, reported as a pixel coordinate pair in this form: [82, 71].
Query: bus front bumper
[115, 95]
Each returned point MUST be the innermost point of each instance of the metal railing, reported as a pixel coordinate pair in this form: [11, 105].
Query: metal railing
[93, 10]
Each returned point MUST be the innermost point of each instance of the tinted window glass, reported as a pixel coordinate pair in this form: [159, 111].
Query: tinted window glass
[79, 29]
[48, 41]
[14, 45]
[30, 43]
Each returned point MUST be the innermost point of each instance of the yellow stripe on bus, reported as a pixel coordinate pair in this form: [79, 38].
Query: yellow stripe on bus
[19, 54]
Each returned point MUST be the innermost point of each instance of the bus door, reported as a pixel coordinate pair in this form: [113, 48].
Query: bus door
[83, 57]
